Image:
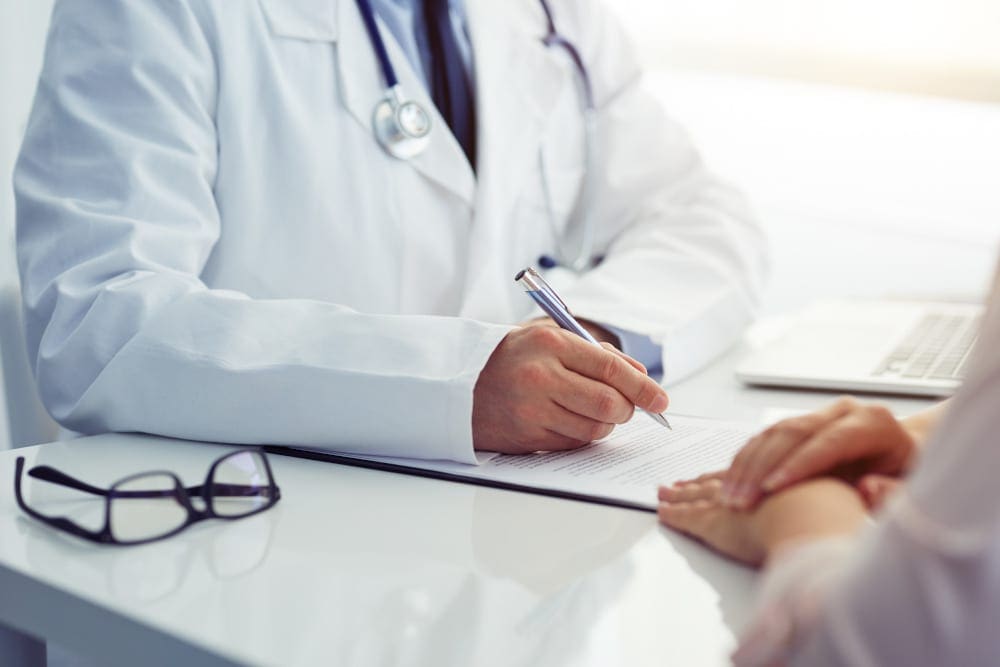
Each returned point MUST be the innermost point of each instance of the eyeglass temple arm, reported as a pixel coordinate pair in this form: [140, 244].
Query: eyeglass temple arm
[238, 490]
[68, 525]
[57, 521]
[47, 474]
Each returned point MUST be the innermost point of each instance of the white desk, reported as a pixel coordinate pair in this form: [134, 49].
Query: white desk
[356, 567]
[362, 567]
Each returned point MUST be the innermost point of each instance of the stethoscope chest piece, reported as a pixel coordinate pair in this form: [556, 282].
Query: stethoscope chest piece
[402, 127]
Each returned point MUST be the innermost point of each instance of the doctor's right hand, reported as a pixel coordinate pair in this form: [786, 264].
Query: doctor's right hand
[545, 389]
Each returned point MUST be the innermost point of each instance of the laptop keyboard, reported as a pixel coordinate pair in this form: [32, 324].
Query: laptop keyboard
[938, 348]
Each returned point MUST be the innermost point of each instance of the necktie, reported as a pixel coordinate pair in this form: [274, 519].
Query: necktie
[450, 86]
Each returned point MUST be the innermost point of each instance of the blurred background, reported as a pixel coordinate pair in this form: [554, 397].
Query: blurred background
[706, 55]
[865, 132]
[934, 47]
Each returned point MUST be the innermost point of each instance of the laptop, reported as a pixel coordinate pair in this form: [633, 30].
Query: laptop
[894, 347]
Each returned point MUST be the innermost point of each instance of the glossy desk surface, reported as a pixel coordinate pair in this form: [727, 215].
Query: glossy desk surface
[362, 567]
[358, 567]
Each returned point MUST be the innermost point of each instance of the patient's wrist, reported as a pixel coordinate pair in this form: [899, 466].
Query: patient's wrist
[816, 509]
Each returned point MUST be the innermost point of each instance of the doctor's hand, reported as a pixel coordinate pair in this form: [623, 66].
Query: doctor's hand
[847, 438]
[607, 339]
[545, 389]
[601, 334]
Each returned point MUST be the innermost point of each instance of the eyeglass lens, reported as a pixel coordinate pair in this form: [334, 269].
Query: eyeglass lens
[145, 507]
[240, 485]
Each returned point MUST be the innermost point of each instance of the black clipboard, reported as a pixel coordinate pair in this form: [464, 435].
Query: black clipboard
[399, 469]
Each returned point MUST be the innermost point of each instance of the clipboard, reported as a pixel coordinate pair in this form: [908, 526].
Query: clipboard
[400, 469]
[622, 470]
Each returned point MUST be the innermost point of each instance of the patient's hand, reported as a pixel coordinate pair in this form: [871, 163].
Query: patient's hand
[847, 437]
[877, 489]
[818, 508]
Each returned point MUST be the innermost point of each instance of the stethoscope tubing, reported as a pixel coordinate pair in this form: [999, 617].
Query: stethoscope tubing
[584, 208]
[553, 38]
[368, 17]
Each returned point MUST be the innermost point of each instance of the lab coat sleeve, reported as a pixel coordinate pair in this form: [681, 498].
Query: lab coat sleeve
[116, 220]
[680, 241]
[923, 588]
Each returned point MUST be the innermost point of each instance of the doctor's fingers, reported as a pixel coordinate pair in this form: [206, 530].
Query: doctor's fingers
[581, 430]
[610, 369]
[754, 465]
[590, 399]
[634, 363]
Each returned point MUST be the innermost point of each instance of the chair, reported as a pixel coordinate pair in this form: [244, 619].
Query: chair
[28, 422]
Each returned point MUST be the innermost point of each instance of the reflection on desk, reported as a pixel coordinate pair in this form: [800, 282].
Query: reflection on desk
[361, 567]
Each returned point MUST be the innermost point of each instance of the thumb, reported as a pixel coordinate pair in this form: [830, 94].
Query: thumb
[876, 489]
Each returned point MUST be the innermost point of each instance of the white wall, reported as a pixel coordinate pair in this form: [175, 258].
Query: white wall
[939, 47]
[22, 35]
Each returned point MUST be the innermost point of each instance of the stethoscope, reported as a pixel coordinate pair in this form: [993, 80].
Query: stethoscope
[402, 127]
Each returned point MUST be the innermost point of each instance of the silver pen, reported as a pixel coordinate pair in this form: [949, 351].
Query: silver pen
[556, 308]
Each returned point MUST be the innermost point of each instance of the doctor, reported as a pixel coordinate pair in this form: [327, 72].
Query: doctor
[298, 221]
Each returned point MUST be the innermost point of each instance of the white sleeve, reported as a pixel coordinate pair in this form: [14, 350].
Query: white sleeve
[924, 587]
[790, 599]
[676, 237]
[116, 220]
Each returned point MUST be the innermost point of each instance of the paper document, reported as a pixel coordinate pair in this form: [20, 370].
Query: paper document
[623, 469]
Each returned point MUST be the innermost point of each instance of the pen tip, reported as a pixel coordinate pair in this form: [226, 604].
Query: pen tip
[660, 419]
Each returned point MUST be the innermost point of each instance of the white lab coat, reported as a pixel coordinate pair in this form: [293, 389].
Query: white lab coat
[213, 246]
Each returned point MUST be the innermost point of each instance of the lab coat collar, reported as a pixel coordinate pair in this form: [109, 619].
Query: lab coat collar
[362, 84]
[302, 19]
[519, 82]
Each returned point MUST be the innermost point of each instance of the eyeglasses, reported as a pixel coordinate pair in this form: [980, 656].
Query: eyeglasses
[154, 505]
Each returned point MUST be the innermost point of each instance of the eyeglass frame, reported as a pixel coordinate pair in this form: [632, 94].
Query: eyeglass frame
[180, 493]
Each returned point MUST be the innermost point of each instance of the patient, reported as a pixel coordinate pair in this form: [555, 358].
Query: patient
[921, 586]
